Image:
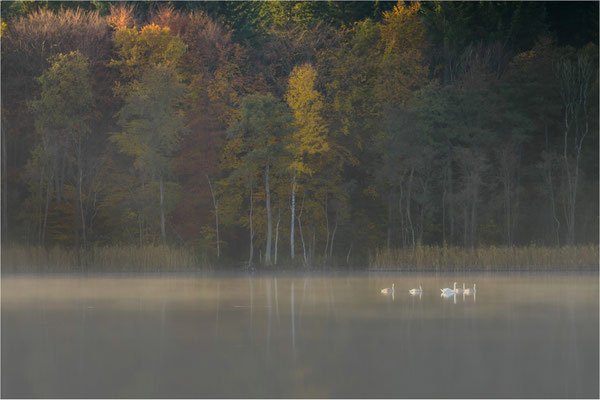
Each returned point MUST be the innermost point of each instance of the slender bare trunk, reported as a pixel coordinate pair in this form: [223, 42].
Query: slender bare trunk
[251, 228]
[76, 223]
[314, 245]
[326, 225]
[216, 206]
[412, 230]
[40, 213]
[76, 220]
[451, 200]
[401, 215]
[389, 227]
[79, 192]
[301, 234]
[348, 255]
[421, 224]
[549, 181]
[269, 222]
[277, 233]
[162, 211]
[4, 183]
[575, 79]
[333, 235]
[48, 186]
[293, 216]
[466, 221]
[445, 183]
[473, 217]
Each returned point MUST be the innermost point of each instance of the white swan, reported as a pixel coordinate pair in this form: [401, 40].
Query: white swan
[448, 291]
[449, 295]
[471, 291]
[388, 290]
[416, 291]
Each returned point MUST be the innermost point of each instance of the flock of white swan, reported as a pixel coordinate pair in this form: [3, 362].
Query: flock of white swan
[446, 292]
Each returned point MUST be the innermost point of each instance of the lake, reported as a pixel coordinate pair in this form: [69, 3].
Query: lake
[294, 335]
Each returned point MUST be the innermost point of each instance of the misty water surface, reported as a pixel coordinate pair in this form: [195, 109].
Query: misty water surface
[299, 336]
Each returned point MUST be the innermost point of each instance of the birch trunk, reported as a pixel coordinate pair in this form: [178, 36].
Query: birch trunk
[412, 230]
[301, 234]
[162, 212]
[326, 226]
[269, 222]
[333, 236]
[293, 216]
[277, 233]
[48, 186]
[216, 206]
[251, 229]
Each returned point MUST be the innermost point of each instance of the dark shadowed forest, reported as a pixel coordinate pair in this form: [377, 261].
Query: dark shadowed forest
[307, 133]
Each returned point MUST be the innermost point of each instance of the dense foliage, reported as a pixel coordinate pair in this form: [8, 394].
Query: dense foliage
[299, 132]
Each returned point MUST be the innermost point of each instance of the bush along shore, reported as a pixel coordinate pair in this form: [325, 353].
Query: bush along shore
[527, 258]
[30, 259]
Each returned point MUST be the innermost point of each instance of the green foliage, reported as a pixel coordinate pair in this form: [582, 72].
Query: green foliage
[66, 98]
[151, 120]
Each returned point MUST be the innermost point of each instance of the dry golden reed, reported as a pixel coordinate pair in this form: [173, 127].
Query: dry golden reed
[437, 258]
[108, 258]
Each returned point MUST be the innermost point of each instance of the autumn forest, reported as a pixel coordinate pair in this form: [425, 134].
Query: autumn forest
[299, 133]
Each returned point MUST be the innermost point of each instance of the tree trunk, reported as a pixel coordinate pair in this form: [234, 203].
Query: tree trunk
[444, 191]
[450, 194]
[473, 217]
[277, 233]
[506, 185]
[389, 228]
[314, 245]
[575, 79]
[401, 215]
[48, 186]
[301, 234]
[76, 223]
[251, 229]
[79, 192]
[216, 206]
[333, 236]
[162, 212]
[555, 221]
[348, 255]
[4, 183]
[466, 221]
[451, 211]
[293, 217]
[269, 222]
[412, 230]
[326, 226]
[302, 238]
[40, 213]
[422, 224]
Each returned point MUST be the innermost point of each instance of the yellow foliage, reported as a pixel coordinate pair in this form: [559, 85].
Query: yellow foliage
[310, 137]
[139, 49]
[403, 68]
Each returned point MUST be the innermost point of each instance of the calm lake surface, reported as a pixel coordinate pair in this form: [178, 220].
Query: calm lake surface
[323, 335]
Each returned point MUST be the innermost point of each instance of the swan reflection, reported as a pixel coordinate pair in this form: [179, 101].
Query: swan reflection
[447, 295]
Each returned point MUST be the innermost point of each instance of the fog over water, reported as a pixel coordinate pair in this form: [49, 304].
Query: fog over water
[313, 335]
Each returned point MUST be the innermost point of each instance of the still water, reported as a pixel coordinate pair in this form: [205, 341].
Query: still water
[324, 335]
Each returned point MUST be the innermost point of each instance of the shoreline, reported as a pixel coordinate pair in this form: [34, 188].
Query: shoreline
[180, 260]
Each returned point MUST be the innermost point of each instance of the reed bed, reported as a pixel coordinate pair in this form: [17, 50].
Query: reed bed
[106, 258]
[527, 258]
